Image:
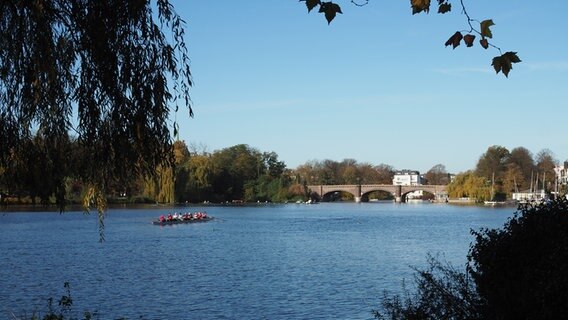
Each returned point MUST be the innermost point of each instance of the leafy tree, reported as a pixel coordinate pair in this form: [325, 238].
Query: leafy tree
[201, 169]
[297, 191]
[437, 175]
[181, 183]
[252, 191]
[513, 178]
[367, 173]
[181, 152]
[161, 186]
[200, 177]
[266, 188]
[319, 172]
[349, 172]
[385, 173]
[306, 173]
[274, 167]
[468, 184]
[545, 163]
[41, 170]
[235, 173]
[522, 160]
[166, 193]
[493, 163]
[502, 63]
[182, 156]
[150, 188]
[110, 63]
[330, 172]
[233, 167]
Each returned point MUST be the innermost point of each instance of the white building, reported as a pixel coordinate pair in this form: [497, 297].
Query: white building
[562, 174]
[537, 195]
[407, 178]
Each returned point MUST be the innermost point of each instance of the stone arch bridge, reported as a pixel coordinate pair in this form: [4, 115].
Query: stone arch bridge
[399, 192]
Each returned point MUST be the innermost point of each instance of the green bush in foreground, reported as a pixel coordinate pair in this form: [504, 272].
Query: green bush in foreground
[517, 272]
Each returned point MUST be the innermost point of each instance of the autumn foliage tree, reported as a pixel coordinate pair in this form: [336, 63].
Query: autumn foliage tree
[437, 175]
[545, 163]
[469, 185]
[493, 161]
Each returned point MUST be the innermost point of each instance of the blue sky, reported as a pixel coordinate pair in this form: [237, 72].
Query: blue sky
[377, 85]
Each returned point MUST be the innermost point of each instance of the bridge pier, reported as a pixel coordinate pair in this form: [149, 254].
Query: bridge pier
[398, 194]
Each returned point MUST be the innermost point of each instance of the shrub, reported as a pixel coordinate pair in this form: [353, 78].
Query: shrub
[521, 271]
[517, 272]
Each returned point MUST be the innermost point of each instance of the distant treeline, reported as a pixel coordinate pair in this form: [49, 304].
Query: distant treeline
[234, 174]
[505, 172]
[237, 173]
[244, 174]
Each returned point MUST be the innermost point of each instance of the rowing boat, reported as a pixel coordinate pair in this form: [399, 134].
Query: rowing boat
[178, 221]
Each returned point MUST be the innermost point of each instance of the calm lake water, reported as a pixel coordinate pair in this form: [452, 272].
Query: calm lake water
[324, 261]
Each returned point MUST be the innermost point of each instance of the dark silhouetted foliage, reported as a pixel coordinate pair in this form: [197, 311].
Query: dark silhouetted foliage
[517, 272]
[521, 270]
[442, 292]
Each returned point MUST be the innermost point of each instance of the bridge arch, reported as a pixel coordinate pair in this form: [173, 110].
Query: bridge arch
[366, 196]
[438, 192]
[319, 192]
[334, 195]
[426, 195]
